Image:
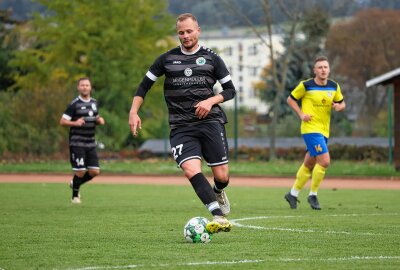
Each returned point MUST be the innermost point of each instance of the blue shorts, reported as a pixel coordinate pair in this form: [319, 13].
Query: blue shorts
[317, 144]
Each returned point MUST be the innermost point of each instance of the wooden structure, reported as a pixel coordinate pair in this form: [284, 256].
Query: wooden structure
[392, 78]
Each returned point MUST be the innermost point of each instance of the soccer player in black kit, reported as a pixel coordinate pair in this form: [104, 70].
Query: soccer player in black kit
[82, 116]
[195, 118]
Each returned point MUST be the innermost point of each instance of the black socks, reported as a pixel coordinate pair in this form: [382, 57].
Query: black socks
[206, 194]
[78, 181]
[219, 186]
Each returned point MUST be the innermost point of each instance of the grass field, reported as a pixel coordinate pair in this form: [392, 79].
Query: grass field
[138, 226]
[168, 167]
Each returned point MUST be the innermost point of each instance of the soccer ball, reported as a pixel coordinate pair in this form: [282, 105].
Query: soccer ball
[195, 231]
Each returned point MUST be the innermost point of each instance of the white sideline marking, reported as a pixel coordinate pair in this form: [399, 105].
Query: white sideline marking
[334, 215]
[107, 267]
[237, 224]
[351, 258]
[165, 265]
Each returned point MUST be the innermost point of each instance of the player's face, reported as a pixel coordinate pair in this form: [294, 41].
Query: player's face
[188, 33]
[321, 70]
[84, 88]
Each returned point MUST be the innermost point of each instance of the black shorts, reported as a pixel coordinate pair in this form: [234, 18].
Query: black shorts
[83, 158]
[207, 140]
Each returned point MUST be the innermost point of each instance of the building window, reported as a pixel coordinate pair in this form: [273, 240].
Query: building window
[240, 78]
[240, 68]
[252, 50]
[251, 92]
[253, 71]
[228, 51]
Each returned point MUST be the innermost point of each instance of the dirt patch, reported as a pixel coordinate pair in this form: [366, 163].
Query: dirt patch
[331, 183]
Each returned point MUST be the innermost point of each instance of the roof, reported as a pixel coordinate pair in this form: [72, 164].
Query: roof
[384, 78]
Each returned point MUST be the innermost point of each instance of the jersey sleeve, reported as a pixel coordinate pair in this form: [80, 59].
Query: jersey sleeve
[338, 96]
[221, 72]
[156, 70]
[69, 112]
[298, 92]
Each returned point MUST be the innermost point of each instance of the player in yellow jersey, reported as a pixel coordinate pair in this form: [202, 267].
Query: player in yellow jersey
[318, 97]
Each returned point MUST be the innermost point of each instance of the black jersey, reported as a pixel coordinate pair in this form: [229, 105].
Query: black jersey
[83, 136]
[189, 79]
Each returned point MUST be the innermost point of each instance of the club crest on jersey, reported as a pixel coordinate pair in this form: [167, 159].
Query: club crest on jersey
[200, 61]
[188, 72]
[329, 94]
[90, 113]
[94, 107]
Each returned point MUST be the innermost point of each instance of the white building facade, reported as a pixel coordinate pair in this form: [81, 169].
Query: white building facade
[245, 57]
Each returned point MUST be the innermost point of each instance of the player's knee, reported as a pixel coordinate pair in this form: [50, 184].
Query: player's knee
[221, 177]
[324, 163]
[189, 173]
[221, 173]
[94, 173]
[80, 174]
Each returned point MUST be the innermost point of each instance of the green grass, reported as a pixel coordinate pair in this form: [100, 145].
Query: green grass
[168, 167]
[122, 225]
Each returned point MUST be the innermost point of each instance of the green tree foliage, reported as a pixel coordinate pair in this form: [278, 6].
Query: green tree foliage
[308, 45]
[8, 44]
[362, 48]
[112, 42]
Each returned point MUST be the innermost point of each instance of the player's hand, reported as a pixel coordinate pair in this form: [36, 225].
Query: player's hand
[135, 123]
[203, 108]
[80, 122]
[305, 117]
[338, 106]
[100, 120]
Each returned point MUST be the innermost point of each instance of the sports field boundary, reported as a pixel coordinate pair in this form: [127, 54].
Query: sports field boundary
[240, 181]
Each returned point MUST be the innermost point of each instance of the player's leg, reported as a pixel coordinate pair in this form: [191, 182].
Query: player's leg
[92, 162]
[77, 159]
[318, 173]
[302, 176]
[215, 151]
[186, 150]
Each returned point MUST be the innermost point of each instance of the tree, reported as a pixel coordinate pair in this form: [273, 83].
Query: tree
[280, 62]
[313, 30]
[361, 48]
[112, 42]
[8, 44]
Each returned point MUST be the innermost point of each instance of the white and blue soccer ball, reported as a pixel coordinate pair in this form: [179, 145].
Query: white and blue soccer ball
[195, 231]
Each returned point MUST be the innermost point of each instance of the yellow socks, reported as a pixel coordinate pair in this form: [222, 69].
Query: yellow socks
[318, 175]
[302, 176]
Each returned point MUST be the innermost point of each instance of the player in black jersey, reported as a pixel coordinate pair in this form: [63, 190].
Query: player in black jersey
[82, 116]
[196, 120]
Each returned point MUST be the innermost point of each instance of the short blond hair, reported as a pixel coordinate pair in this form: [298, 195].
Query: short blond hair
[185, 16]
[320, 59]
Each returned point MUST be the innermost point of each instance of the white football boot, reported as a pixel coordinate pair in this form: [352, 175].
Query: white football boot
[223, 202]
[76, 200]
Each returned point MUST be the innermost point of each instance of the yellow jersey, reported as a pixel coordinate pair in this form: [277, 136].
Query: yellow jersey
[316, 100]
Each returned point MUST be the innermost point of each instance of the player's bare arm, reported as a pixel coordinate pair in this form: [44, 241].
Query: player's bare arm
[204, 107]
[135, 122]
[78, 123]
[339, 106]
[100, 120]
[293, 104]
